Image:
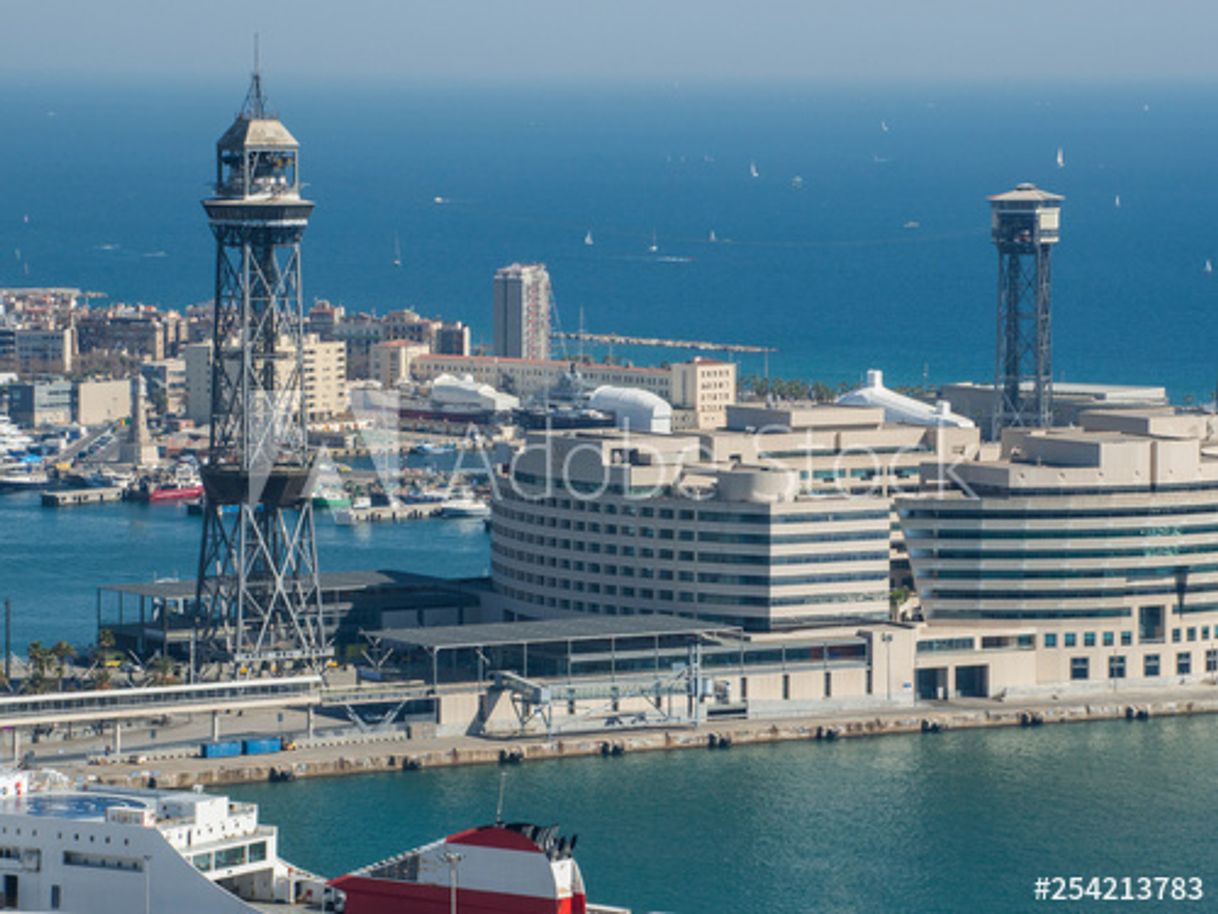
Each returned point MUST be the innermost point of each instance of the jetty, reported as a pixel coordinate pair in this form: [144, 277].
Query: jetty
[68, 498]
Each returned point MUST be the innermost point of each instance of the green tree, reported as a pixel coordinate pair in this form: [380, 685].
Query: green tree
[61, 652]
[39, 660]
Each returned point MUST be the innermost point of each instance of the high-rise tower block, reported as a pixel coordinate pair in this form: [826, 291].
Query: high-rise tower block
[1025, 225]
[259, 597]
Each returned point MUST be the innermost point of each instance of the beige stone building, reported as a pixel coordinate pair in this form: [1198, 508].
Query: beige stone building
[97, 402]
[324, 379]
[391, 361]
[1093, 548]
[700, 393]
[780, 521]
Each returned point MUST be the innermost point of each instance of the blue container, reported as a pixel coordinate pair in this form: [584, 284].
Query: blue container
[220, 750]
[261, 746]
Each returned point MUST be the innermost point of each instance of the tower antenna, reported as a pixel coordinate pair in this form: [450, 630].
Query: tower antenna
[255, 101]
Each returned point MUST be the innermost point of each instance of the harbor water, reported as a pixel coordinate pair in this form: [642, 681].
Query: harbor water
[53, 559]
[954, 822]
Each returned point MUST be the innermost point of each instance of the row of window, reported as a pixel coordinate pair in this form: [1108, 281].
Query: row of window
[1080, 667]
[1108, 639]
[1033, 512]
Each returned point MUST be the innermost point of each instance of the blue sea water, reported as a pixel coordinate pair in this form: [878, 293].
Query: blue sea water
[52, 560]
[825, 272]
[960, 822]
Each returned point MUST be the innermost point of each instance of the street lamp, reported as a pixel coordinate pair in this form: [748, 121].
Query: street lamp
[452, 859]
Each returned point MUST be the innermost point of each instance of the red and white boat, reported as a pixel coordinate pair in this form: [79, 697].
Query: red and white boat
[175, 492]
[512, 868]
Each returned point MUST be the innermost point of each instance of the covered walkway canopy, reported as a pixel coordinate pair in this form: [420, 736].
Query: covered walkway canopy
[562, 647]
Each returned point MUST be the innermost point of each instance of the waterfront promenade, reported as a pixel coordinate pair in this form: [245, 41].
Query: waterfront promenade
[170, 755]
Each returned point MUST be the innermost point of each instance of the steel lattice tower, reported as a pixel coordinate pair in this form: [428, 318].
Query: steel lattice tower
[1025, 225]
[259, 599]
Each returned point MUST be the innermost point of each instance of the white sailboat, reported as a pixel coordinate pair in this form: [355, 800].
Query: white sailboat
[654, 246]
[1209, 266]
[712, 238]
[1061, 158]
[588, 239]
[397, 251]
[884, 126]
[753, 172]
[1116, 201]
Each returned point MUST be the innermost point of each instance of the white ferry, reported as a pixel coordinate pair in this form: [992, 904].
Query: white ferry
[100, 850]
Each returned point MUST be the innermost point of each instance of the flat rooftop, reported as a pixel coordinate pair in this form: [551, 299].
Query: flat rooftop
[184, 589]
[543, 631]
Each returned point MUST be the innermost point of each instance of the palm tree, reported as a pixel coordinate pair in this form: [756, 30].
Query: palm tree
[62, 652]
[40, 659]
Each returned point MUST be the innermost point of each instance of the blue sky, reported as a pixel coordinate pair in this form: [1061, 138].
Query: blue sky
[454, 42]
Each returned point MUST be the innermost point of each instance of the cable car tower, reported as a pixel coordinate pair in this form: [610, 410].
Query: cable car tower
[1025, 225]
[259, 599]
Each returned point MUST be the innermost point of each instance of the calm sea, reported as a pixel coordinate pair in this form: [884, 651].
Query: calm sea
[110, 178]
[52, 560]
[959, 822]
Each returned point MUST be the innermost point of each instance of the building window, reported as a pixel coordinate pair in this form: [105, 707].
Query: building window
[1175, 635]
[1079, 667]
[1205, 633]
[1211, 661]
[1109, 639]
[1050, 640]
[1192, 633]
[1184, 663]
[1116, 667]
[56, 897]
[1150, 624]
[1126, 639]
[1070, 639]
[1089, 639]
[1150, 665]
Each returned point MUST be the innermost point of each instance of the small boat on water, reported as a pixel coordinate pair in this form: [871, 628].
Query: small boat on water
[463, 503]
[174, 491]
[430, 449]
[753, 172]
[24, 478]
[588, 239]
[1061, 158]
[397, 251]
[1209, 266]
[655, 244]
[331, 497]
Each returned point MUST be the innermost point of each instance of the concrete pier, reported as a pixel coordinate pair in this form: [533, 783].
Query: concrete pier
[66, 498]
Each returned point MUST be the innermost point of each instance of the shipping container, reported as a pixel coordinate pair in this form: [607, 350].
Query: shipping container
[220, 750]
[261, 746]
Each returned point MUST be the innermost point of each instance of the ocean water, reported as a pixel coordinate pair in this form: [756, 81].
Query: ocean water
[110, 178]
[53, 559]
[958, 822]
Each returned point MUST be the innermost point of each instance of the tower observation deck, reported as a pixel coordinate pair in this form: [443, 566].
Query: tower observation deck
[1025, 225]
[259, 598]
